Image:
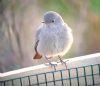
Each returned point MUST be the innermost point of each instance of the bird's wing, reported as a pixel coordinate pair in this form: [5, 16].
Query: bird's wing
[67, 27]
[37, 55]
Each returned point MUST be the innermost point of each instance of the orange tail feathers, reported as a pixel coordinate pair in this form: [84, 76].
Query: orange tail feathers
[37, 56]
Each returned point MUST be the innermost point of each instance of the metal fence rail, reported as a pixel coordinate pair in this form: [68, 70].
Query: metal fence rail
[86, 75]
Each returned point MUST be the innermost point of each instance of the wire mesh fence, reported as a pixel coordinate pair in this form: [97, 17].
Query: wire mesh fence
[80, 76]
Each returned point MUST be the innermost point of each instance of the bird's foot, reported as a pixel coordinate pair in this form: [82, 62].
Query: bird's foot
[62, 62]
[52, 64]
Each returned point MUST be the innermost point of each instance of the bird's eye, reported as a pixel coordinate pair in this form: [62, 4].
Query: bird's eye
[52, 20]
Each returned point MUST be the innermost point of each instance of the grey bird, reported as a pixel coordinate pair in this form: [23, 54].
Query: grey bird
[53, 37]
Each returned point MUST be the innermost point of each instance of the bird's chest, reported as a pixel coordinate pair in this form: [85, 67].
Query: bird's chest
[52, 38]
[52, 35]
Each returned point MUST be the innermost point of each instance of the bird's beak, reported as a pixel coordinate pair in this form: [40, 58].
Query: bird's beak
[43, 21]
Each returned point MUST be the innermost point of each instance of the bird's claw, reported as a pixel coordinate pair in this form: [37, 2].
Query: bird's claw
[63, 62]
[52, 64]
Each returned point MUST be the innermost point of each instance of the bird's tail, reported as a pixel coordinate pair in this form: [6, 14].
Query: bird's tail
[37, 56]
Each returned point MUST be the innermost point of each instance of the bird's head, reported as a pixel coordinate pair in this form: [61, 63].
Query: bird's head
[52, 17]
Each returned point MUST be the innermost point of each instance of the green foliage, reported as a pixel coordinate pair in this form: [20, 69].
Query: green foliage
[57, 5]
[95, 5]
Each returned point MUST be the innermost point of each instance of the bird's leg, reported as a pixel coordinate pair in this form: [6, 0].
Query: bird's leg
[50, 63]
[63, 62]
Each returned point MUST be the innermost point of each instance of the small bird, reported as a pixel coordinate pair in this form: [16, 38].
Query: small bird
[53, 37]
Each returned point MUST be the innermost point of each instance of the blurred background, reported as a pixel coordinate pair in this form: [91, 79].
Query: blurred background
[19, 20]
